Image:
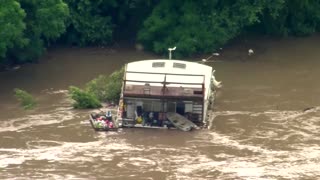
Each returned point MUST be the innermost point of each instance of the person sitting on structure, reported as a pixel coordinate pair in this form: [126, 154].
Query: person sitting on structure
[110, 125]
[138, 114]
[151, 118]
[109, 115]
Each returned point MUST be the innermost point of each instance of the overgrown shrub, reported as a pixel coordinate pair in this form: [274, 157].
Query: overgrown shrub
[114, 85]
[103, 88]
[107, 88]
[98, 87]
[26, 99]
[83, 99]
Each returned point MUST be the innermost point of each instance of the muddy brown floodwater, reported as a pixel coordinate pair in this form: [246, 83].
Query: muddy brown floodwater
[259, 131]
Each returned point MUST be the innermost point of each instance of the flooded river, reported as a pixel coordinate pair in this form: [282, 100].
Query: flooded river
[266, 122]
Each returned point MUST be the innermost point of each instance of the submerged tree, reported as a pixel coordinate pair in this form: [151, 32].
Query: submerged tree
[83, 99]
[101, 89]
[26, 99]
[107, 88]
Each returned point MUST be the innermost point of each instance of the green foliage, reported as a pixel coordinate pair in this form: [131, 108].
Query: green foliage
[202, 26]
[90, 22]
[45, 22]
[26, 99]
[196, 27]
[98, 87]
[107, 88]
[83, 99]
[28, 27]
[11, 26]
[128, 17]
[102, 88]
[28, 53]
[291, 17]
[114, 85]
[95, 22]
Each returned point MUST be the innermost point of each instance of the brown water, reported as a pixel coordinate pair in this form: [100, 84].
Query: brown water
[259, 129]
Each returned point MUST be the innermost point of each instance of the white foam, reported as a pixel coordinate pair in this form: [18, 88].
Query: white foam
[53, 117]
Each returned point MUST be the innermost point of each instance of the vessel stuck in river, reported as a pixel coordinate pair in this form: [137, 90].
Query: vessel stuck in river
[153, 88]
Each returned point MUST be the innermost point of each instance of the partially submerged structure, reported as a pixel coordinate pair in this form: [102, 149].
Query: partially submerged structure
[152, 88]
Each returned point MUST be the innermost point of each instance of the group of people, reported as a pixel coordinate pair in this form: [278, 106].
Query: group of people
[104, 121]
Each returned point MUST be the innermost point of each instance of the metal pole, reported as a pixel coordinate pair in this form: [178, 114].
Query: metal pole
[170, 53]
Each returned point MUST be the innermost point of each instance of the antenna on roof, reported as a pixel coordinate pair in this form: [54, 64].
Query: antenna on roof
[171, 49]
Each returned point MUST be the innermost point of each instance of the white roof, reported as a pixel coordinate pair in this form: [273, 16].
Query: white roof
[170, 67]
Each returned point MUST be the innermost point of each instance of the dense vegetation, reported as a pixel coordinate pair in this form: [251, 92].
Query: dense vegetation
[101, 89]
[106, 88]
[28, 27]
[26, 100]
[83, 99]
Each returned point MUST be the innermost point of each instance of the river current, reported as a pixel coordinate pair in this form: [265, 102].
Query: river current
[265, 123]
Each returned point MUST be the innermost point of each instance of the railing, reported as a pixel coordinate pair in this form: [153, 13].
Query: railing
[165, 84]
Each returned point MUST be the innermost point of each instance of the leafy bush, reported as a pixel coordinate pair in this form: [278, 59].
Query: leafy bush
[98, 87]
[107, 88]
[26, 99]
[102, 88]
[83, 99]
[114, 85]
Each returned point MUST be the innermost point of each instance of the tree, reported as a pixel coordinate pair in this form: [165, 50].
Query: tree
[202, 26]
[83, 99]
[11, 26]
[45, 21]
[26, 100]
[102, 88]
[128, 17]
[27, 27]
[100, 22]
[197, 26]
[90, 22]
[107, 88]
[294, 17]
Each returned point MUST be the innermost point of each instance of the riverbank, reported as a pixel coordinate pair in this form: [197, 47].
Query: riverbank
[235, 50]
